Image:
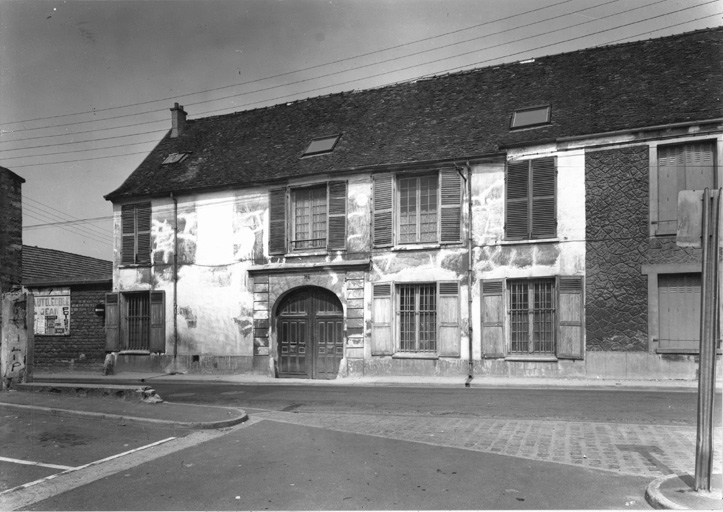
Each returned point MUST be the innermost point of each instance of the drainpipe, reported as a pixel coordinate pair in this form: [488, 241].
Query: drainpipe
[470, 245]
[175, 281]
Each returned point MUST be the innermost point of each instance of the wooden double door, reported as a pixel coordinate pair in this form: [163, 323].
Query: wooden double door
[310, 334]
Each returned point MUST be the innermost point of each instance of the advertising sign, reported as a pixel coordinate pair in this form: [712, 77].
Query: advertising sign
[52, 312]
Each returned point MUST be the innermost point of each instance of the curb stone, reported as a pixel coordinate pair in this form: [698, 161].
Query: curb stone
[657, 499]
[202, 425]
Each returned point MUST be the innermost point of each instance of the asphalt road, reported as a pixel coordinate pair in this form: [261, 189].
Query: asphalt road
[276, 466]
[352, 448]
[613, 406]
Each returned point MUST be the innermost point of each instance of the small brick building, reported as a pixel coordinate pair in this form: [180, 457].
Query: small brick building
[67, 287]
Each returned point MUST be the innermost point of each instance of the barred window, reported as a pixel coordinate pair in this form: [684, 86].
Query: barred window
[417, 312]
[532, 316]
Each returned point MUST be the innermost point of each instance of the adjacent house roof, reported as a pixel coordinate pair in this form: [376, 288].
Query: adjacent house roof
[456, 116]
[48, 267]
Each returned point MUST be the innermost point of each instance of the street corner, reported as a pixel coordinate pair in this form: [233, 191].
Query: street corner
[677, 492]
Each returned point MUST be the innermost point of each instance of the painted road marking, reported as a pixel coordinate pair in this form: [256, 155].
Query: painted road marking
[33, 492]
[33, 463]
[69, 469]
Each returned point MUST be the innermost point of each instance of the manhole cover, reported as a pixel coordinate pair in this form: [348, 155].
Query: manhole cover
[182, 394]
[233, 392]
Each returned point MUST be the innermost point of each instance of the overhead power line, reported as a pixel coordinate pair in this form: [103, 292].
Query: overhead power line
[451, 69]
[94, 111]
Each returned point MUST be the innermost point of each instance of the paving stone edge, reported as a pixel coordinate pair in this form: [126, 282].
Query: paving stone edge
[242, 416]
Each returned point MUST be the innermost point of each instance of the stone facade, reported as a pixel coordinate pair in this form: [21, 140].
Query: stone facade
[84, 348]
[618, 246]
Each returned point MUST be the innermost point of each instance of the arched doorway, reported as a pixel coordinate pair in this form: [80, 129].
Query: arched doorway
[310, 334]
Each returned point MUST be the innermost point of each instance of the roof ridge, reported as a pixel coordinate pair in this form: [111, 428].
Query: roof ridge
[46, 249]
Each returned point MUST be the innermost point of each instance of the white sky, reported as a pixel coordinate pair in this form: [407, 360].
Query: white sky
[86, 86]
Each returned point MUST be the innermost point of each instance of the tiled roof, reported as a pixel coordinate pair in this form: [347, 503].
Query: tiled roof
[47, 266]
[456, 116]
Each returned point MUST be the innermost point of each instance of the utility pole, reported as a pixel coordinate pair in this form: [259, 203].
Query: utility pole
[699, 226]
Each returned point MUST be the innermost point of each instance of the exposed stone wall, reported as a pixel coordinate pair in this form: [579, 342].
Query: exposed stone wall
[617, 240]
[87, 335]
[618, 245]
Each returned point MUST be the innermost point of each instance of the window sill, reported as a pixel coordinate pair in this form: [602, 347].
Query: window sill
[297, 254]
[531, 241]
[683, 351]
[415, 247]
[135, 265]
[532, 359]
[134, 353]
[417, 355]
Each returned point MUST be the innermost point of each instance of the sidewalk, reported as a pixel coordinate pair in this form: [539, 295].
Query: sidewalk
[132, 410]
[479, 381]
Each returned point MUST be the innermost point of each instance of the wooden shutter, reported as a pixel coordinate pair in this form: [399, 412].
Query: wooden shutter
[570, 311]
[112, 322]
[382, 314]
[699, 168]
[448, 314]
[544, 223]
[277, 221]
[143, 233]
[337, 215]
[670, 168]
[382, 217]
[493, 318]
[128, 234]
[517, 220]
[158, 322]
[451, 206]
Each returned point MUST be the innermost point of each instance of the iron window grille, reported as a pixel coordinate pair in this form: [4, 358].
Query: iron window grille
[417, 312]
[532, 316]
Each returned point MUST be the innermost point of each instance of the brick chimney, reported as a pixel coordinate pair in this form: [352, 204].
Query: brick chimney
[11, 230]
[178, 120]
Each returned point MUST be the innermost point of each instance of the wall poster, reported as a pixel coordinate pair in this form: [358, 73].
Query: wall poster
[52, 311]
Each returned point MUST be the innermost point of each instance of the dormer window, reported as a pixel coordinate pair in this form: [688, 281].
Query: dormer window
[529, 117]
[175, 158]
[322, 145]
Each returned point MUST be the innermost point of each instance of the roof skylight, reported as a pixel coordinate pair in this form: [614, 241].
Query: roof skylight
[526, 117]
[175, 158]
[322, 145]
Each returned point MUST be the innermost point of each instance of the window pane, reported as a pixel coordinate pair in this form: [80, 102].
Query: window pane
[406, 318]
[428, 209]
[522, 118]
[407, 210]
[310, 218]
[418, 209]
[427, 318]
[519, 320]
[542, 317]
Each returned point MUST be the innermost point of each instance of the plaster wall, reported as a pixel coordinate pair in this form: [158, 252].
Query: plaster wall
[496, 258]
[219, 235]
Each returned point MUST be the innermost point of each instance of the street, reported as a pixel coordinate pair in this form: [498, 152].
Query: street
[329, 447]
